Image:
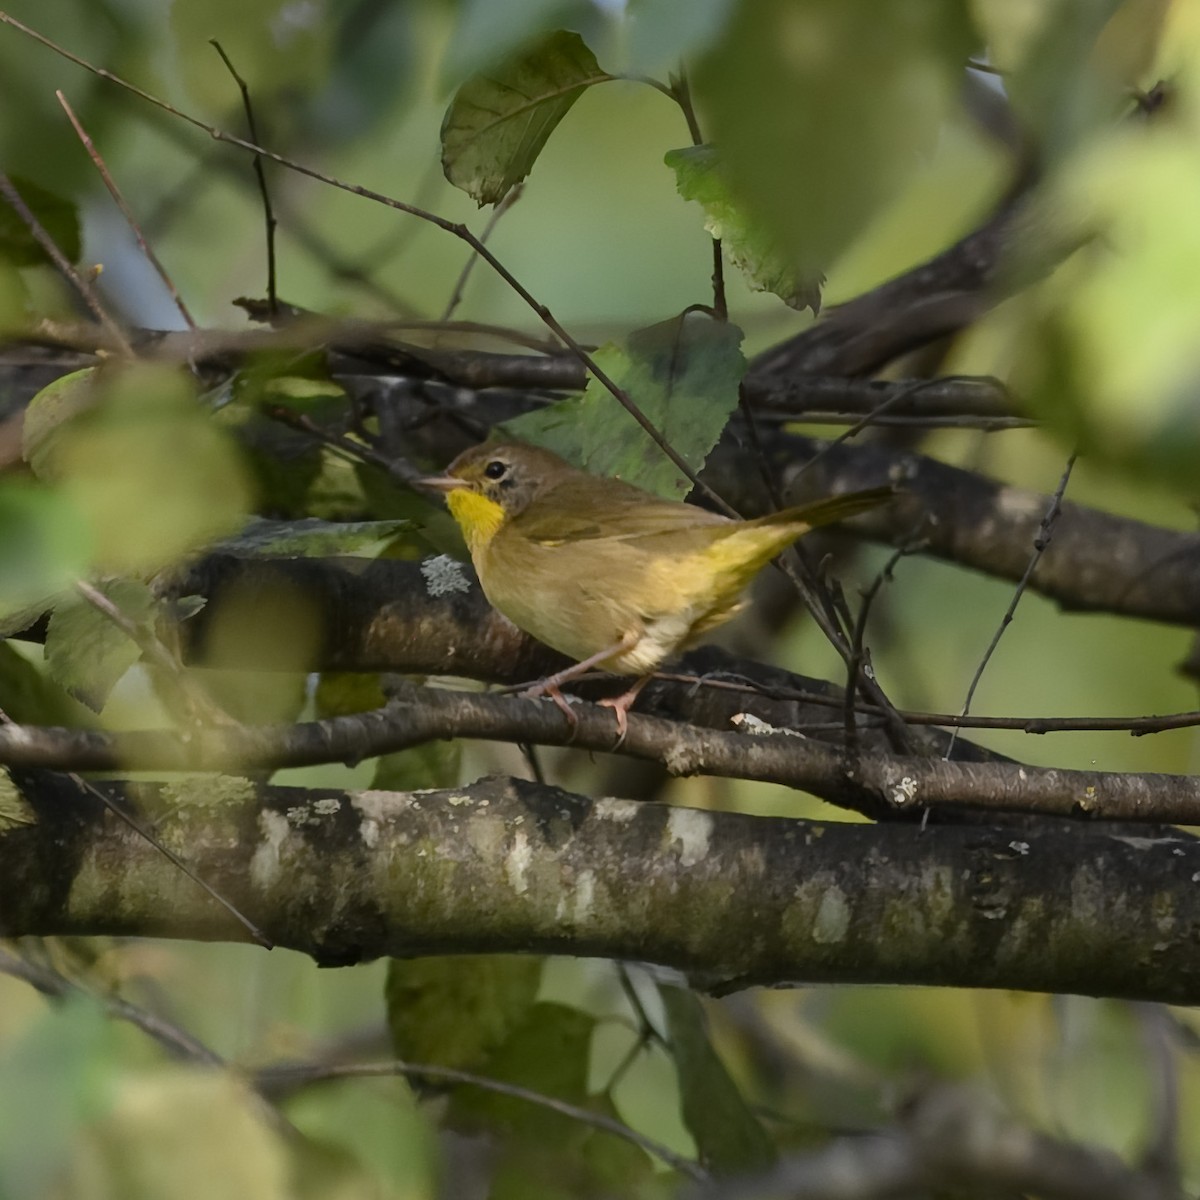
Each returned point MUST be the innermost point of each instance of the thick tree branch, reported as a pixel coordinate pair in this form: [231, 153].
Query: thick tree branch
[730, 900]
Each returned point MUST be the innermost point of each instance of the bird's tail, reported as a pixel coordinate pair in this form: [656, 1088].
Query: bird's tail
[832, 508]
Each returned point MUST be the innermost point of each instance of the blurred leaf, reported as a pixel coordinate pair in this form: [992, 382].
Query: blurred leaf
[1058, 87]
[57, 216]
[728, 1136]
[61, 1070]
[359, 1138]
[498, 122]
[490, 30]
[311, 395]
[85, 652]
[277, 46]
[1111, 342]
[660, 34]
[183, 1134]
[138, 454]
[433, 765]
[749, 247]
[822, 108]
[340, 693]
[262, 637]
[49, 413]
[683, 374]
[312, 538]
[455, 1011]
[46, 547]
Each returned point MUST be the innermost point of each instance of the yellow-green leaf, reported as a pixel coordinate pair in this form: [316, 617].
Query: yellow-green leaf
[499, 120]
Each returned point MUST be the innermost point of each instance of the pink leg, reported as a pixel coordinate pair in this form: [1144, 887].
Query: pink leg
[622, 704]
[550, 685]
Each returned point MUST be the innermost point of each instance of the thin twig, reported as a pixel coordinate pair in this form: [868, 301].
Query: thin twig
[680, 91]
[68, 272]
[461, 282]
[456, 229]
[270, 1077]
[126, 211]
[260, 175]
[857, 650]
[399, 469]
[177, 1042]
[1039, 548]
[865, 422]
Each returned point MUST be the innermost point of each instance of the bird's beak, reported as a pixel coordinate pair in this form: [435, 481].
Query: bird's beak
[441, 483]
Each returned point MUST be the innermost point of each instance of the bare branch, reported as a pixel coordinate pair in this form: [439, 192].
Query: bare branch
[729, 899]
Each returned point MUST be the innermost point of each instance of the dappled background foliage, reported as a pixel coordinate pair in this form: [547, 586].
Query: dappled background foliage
[831, 145]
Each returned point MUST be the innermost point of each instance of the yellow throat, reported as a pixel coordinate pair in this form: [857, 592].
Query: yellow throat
[478, 517]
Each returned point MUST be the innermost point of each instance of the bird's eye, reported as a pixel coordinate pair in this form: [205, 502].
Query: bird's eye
[495, 469]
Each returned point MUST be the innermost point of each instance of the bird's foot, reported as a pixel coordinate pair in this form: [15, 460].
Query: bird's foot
[548, 688]
[621, 705]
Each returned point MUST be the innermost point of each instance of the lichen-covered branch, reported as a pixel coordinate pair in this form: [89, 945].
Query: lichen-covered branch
[729, 899]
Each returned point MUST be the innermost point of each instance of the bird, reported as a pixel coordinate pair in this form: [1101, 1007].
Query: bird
[604, 572]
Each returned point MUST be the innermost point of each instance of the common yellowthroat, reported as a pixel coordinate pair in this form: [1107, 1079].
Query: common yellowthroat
[603, 571]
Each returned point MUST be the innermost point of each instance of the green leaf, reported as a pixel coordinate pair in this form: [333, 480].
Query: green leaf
[137, 453]
[546, 1052]
[46, 547]
[748, 245]
[728, 1136]
[312, 538]
[56, 1075]
[49, 413]
[499, 121]
[30, 698]
[457, 1011]
[85, 651]
[58, 217]
[822, 109]
[15, 810]
[683, 374]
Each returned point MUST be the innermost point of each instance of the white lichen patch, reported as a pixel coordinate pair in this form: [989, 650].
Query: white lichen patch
[749, 723]
[905, 792]
[381, 806]
[621, 811]
[833, 917]
[368, 830]
[580, 899]
[1015, 502]
[690, 830]
[266, 866]
[301, 815]
[327, 806]
[443, 576]
[516, 863]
